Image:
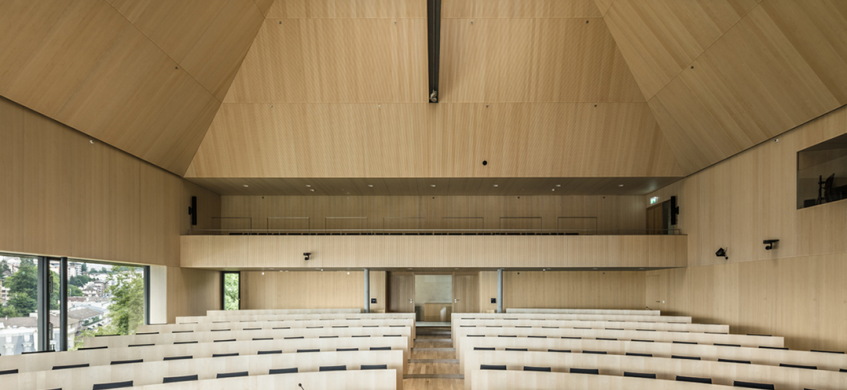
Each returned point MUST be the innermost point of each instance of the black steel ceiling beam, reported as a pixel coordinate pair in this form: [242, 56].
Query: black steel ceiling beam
[433, 32]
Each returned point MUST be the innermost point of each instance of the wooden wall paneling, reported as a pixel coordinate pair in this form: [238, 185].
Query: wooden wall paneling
[343, 9]
[574, 289]
[192, 291]
[488, 290]
[300, 290]
[258, 252]
[12, 159]
[378, 285]
[400, 292]
[604, 5]
[264, 6]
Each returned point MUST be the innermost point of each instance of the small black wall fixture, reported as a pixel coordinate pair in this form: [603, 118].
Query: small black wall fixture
[770, 244]
[674, 210]
[721, 253]
[192, 211]
[433, 31]
[307, 255]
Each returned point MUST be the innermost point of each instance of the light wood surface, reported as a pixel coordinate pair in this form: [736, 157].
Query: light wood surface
[433, 311]
[348, 380]
[306, 313]
[423, 212]
[151, 373]
[340, 88]
[761, 356]
[299, 324]
[465, 293]
[721, 373]
[306, 290]
[753, 69]
[104, 357]
[144, 76]
[458, 317]
[584, 311]
[243, 335]
[792, 290]
[401, 292]
[230, 316]
[496, 380]
[556, 323]
[267, 252]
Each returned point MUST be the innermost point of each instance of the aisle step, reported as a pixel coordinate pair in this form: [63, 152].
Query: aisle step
[434, 376]
[451, 361]
[434, 349]
[434, 340]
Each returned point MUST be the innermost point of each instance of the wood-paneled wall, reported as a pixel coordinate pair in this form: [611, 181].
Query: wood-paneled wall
[145, 76]
[310, 290]
[722, 76]
[565, 289]
[192, 291]
[344, 252]
[439, 212]
[794, 290]
[64, 196]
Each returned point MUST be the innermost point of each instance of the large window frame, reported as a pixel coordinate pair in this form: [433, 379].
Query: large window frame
[44, 289]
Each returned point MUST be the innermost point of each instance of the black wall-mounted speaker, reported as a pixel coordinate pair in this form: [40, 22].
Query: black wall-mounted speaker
[192, 211]
[674, 211]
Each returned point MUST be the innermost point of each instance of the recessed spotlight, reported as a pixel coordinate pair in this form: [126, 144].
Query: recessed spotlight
[91, 141]
[409, 268]
[307, 185]
[263, 272]
[496, 185]
[620, 185]
[312, 189]
[594, 269]
[348, 272]
[558, 185]
[322, 270]
[554, 190]
[245, 186]
[371, 185]
[432, 185]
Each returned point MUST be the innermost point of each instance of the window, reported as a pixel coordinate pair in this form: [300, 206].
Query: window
[822, 173]
[231, 290]
[19, 299]
[103, 299]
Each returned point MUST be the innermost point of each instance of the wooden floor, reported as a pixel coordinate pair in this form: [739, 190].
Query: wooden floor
[433, 364]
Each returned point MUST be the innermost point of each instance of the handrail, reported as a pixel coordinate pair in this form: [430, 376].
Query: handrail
[477, 232]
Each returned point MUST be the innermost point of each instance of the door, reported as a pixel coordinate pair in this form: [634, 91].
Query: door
[656, 292]
[401, 292]
[658, 217]
[466, 292]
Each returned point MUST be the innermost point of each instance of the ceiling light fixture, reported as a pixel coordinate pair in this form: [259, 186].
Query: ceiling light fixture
[312, 189]
[554, 190]
[620, 185]
[308, 185]
[371, 185]
[558, 185]
[496, 185]
[245, 186]
[432, 185]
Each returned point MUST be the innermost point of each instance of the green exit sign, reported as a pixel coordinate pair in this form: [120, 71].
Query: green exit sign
[654, 200]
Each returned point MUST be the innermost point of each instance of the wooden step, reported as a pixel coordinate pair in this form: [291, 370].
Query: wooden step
[434, 349]
[450, 361]
[433, 376]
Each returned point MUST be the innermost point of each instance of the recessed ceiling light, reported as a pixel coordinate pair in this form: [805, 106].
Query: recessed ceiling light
[307, 185]
[348, 272]
[594, 269]
[371, 185]
[312, 189]
[263, 272]
[322, 270]
[620, 185]
[245, 186]
[554, 189]
[558, 185]
[496, 185]
[432, 185]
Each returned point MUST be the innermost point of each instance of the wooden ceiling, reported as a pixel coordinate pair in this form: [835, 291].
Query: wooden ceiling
[146, 76]
[338, 89]
[723, 75]
[443, 186]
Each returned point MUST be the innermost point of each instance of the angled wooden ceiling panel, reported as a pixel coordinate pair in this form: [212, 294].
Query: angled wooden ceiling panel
[209, 38]
[603, 5]
[659, 38]
[148, 89]
[425, 140]
[533, 60]
[323, 60]
[337, 89]
[782, 64]
[264, 5]
[517, 9]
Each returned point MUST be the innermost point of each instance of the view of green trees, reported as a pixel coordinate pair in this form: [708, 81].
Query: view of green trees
[231, 292]
[126, 311]
[23, 290]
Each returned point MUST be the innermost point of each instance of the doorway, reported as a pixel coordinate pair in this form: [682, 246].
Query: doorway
[433, 298]
[659, 218]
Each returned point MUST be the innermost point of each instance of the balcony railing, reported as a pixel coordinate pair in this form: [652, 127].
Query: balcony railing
[431, 232]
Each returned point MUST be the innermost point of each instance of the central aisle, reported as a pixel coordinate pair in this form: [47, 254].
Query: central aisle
[433, 364]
